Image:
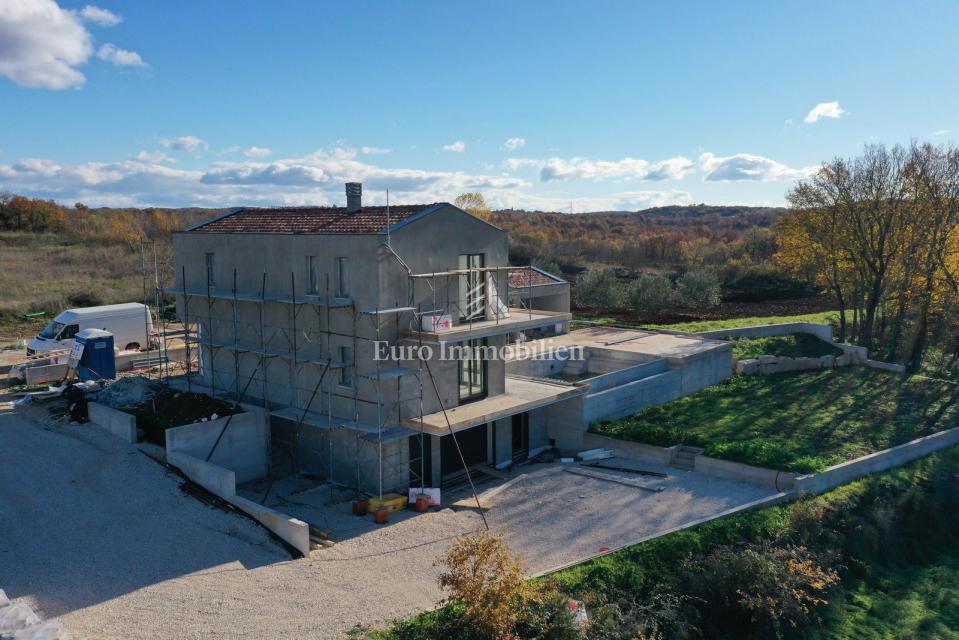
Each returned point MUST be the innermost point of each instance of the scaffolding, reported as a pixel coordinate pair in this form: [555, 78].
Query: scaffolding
[275, 355]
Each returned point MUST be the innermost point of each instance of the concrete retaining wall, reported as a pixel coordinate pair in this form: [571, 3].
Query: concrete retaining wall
[637, 450]
[243, 449]
[222, 482]
[632, 397]
[779, 480]
[213, 478]
[876, 462]
[292, 530]
[821, 331]
[623, 376]
[123, 425]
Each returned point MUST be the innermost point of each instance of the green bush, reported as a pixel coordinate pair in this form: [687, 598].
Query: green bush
[699, 289]
[651, 294]
[599, 290]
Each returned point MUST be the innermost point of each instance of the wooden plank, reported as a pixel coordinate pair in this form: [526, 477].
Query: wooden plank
[608, 478]
[493, 473]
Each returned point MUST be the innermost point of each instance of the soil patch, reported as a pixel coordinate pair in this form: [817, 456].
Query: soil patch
[170, 408]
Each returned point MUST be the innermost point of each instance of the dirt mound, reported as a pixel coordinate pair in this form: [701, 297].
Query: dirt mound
[170, 408]
[129, 392]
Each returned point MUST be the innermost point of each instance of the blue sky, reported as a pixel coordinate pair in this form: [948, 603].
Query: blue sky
[535, 104]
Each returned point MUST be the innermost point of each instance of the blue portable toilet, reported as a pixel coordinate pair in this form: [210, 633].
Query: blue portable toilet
[96, 358]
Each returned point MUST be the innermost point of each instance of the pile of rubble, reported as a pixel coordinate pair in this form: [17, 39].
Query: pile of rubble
[19, 622]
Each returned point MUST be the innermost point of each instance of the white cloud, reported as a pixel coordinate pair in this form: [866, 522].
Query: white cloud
[620, 201]
[745, 166]
[231, 149]
[152, 157]
[512, 144]
[41, 45]
[940, 132]
[184, 143]
[579, 168]
[456, 147]
[99, 16]
[824, 110]
[257, 152]
[313, 179]
[120, 57]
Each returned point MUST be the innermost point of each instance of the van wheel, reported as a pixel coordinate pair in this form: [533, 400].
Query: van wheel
[132, 346]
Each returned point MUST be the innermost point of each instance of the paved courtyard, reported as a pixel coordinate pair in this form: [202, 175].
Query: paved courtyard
[98, 535]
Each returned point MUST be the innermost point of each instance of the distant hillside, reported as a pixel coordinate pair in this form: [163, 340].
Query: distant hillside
[636, 239]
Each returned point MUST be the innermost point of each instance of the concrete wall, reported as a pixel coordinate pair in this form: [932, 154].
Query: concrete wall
[704, 369]
[874, 463]
[504, 441]
[631, 397]
[886, 366]
[565, 424]
[773, 478]
[244, 448]
[627, 448]
[222, 482]
[821, 331]
[123, 425]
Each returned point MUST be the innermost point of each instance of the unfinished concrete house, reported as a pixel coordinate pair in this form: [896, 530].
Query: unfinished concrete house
[288, 308]
[373, 334]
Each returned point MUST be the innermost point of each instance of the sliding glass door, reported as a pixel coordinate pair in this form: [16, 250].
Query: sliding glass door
[472, 371]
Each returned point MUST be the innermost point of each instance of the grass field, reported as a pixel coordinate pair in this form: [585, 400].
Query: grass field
[799, 345]
[803, 421]
[42, 272]
[823, 317]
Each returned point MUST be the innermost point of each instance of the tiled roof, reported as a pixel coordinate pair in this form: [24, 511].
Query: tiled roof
[317, 220]
[519, 278]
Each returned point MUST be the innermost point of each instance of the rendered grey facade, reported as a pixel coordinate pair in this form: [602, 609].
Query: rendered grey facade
[291, 320]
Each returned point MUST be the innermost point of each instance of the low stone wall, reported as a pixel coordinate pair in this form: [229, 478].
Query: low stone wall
[123, 425]
[213, 478]
[243, 449]
[874, 463]
[637, 450]
[821, 331]
[779, 480]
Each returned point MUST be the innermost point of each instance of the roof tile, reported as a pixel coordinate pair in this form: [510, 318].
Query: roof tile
[309, 220]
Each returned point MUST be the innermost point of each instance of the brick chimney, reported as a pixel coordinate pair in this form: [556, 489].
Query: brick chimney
[354, 197]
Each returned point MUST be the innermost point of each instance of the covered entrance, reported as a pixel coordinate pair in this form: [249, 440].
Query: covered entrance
[473, 443]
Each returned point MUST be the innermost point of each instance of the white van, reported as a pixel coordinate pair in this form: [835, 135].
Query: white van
[130, 324]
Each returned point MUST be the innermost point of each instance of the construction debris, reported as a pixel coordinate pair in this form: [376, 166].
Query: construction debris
[580, 471]
[596, 454]
[129, 392]
[613, 467]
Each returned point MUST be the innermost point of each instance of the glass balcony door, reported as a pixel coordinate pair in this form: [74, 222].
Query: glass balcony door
[472, 287]
[472, 372]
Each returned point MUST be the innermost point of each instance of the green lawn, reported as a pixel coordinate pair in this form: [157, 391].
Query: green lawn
[800, 345]
[823, 317]
[802, 421]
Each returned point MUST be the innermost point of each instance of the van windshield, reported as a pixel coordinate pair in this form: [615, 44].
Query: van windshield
[52, 330]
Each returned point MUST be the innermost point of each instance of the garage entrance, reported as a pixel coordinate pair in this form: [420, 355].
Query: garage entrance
[473, 443]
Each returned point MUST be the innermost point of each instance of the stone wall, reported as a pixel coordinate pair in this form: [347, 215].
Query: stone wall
[821, 331]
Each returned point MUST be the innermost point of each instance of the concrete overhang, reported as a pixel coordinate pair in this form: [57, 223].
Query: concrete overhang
[518, 320]
[522, 394]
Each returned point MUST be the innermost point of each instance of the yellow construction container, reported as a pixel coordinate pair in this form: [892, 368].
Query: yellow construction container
[392, 501]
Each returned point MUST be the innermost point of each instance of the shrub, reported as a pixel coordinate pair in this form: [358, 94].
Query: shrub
[599, 290]
[651, 294]
[487, 579]
[84, 299]
[699, 290]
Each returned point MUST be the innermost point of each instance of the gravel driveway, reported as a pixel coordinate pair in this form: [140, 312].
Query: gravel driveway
[98, 535]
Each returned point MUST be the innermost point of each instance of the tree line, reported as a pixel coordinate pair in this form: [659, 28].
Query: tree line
[880, 232]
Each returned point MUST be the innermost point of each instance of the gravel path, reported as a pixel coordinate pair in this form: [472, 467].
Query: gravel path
[96, 534]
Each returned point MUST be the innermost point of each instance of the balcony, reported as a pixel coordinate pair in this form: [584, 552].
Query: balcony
[516, 320]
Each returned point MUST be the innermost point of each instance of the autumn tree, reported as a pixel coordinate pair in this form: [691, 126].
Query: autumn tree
[474, 203]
